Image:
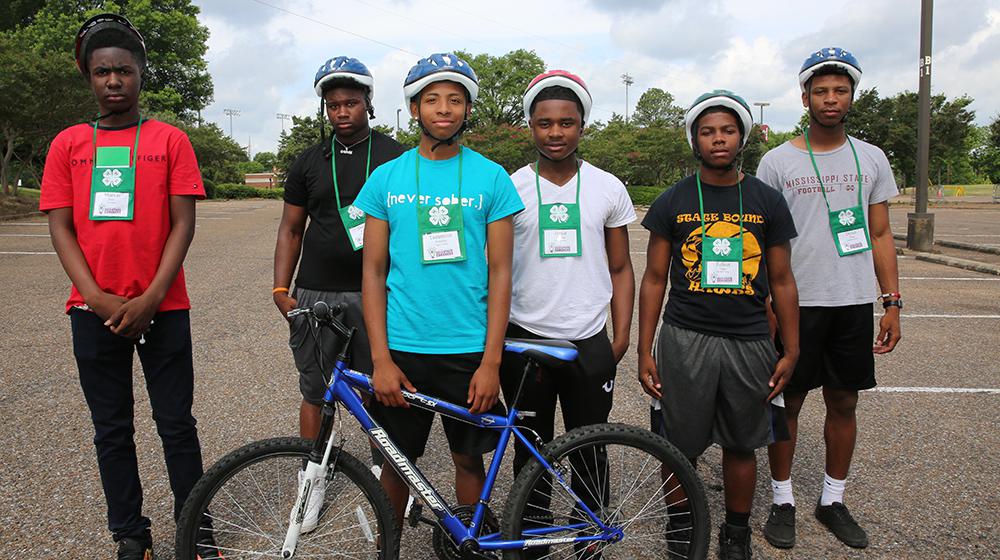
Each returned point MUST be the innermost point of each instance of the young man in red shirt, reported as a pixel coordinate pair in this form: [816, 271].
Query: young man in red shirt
[120, 197]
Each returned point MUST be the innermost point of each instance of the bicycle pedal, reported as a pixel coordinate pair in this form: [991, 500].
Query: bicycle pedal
[414, 515]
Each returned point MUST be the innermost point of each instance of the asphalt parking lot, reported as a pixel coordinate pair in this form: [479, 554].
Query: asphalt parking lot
[924, 480]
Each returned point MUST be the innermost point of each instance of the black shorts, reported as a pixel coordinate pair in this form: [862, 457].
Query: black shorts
[446, 377]
[836, 349]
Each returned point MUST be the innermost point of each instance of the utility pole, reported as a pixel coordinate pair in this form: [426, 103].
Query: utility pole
[920, 222]
[398, 130]
[283, 117]
[232, 113]
[762, 104]
[627, 80]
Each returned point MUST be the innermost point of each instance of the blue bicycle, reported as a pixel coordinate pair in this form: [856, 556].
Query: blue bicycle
[602, 491]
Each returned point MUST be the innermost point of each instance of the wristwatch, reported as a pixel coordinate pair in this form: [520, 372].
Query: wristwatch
[894, 303]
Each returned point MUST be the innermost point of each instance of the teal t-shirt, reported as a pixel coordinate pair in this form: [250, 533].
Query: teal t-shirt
[437, 308]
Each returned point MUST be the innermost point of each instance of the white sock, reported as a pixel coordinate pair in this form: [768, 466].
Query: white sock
[833, 490]
[781, 492]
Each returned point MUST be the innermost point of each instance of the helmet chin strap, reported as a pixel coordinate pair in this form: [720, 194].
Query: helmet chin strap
[728, 167]
[564, 158]
[813, 118]
[438, 141]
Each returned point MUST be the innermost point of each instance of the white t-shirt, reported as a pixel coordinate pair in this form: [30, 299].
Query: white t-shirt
[824, 278]
[566, 297]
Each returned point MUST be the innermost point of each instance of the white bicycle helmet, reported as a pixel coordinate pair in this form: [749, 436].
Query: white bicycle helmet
[719, 98]
[440, 67]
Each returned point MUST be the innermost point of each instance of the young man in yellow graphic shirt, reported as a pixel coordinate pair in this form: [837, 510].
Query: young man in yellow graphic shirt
[723, 239]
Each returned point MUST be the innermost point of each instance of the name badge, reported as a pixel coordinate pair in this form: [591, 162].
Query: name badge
[110, 204]
[441, 246]
[852, 241]
[560, 242]
[723, 273]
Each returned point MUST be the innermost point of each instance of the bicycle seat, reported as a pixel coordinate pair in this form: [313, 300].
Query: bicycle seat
[549, 353]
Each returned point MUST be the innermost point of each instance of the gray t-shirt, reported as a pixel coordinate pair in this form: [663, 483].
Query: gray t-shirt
[824, 278]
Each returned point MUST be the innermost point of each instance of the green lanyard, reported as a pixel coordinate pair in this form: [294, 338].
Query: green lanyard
[440, 227]
[112, 180]
[721, 255]
[352, 217]
[559, 223]
[850, 232]
[333, 165]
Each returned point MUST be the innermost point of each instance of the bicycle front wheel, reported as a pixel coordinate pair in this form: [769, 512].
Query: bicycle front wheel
[244, 502]
[635, 483]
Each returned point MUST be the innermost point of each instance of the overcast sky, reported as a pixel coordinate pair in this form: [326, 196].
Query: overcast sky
[263, 54]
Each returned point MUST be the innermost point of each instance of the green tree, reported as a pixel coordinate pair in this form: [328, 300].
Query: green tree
[41, 96]
[656, 108]
[268, 160]
[18, 12]
[985, 156]
[510, 146]
[305, 132]
[176, 79]
[502, 81]
[218, 155]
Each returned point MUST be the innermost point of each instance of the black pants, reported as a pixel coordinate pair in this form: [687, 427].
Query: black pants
[585, 390]
[105, 363]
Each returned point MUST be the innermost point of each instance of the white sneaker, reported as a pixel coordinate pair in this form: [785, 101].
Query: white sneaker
[377, 471]
[315, 504]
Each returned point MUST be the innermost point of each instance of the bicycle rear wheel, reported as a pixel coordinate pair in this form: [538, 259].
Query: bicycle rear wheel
[245, 500]
[632, 479]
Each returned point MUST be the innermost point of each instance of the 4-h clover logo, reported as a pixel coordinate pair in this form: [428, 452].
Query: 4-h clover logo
[439, 216]
[354, 212]
[112, 178]
[721, 247]
[846, 217]
[559, 213]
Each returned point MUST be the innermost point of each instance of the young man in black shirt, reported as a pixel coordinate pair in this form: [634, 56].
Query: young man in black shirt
[320, 188]
[723, 238]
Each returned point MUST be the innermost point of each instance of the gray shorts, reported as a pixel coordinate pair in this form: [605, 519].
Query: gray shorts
[305, 350]
[714, 390]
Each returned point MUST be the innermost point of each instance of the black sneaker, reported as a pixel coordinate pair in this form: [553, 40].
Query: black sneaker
[132, 548]
[734, 542]
[780, 527]
[839, 521]
[679, 538]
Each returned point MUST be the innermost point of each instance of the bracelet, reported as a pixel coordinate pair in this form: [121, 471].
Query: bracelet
[276, 290]
[889, 295]
[893, 303]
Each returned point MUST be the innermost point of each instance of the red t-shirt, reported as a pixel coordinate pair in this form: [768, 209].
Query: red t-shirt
[124, 255]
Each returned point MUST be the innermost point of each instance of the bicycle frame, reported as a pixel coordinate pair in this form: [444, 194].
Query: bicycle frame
[342, 389]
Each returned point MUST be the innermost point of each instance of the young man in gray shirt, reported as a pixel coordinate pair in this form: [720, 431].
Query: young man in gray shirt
[837, 188]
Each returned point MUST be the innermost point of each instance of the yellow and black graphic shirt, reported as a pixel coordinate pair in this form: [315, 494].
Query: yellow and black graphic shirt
[674, 215]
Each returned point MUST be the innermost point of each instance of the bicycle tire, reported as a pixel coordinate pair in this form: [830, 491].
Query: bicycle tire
[636, 494]
[251, 491]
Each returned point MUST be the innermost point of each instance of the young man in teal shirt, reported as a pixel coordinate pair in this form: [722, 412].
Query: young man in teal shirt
[437, 276]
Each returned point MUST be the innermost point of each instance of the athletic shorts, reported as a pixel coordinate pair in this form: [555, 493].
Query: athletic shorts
[714, 390]
[446, 377]
[835, 349]
[306, 348]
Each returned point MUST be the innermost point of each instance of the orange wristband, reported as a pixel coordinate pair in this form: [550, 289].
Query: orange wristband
[276, 290]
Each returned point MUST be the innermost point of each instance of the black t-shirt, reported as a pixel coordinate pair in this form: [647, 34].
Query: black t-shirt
[328, 262]
[728, 312]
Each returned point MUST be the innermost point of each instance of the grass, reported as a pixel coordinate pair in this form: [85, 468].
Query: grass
[24, 202]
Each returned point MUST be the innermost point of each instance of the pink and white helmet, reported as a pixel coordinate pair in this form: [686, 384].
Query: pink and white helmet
[558, 78]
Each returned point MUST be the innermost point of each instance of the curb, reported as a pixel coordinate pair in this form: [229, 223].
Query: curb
[12, 217]
[957, 245]
[955, 262]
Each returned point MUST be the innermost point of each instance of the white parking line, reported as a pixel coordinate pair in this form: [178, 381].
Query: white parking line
[950, 278]
[212, 218]
[24, 235]
[27, 252]
[23, 224]
[943, 316]
[936, 390]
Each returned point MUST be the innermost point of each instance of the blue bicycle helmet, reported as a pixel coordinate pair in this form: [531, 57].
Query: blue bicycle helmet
[830, 56]
[345, 68]
[440, 67]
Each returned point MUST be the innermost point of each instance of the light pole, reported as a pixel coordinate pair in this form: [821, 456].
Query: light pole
[920, 222]
[762, 104]
[283, 116]
[398, 130]
[627, 80]
[232, 113]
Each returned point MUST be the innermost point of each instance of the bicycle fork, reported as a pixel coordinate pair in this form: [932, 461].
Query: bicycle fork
[316, 468]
